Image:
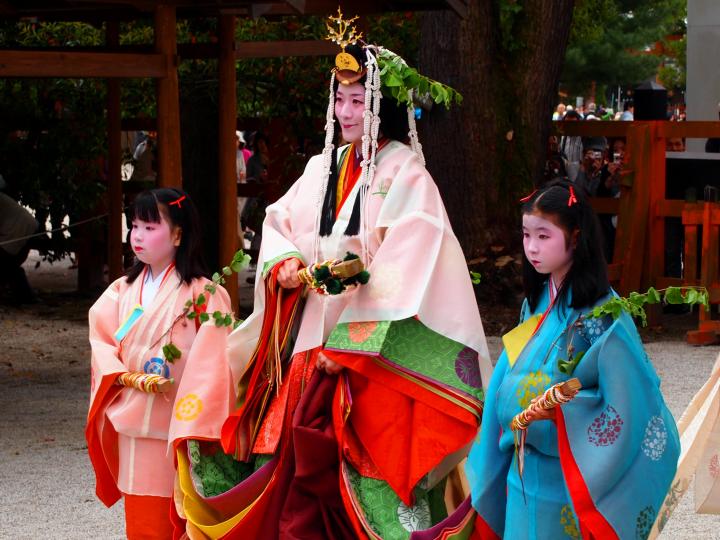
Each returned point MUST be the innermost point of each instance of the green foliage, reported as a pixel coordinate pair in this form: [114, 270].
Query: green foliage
[673, 74]
[509, 17]
[634, 304]
[327, 282]
[610, 40]
[195, 309]
[398, 79]
[171, 353]
[569, 365]
[475, 277]
[240, 262]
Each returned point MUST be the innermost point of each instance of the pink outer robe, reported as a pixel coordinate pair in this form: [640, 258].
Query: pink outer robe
[128, 430]
[414, 259]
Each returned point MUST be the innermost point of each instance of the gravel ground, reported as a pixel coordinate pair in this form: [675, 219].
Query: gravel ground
[47, 483]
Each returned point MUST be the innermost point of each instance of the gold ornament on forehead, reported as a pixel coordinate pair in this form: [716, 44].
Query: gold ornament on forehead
[345, 34]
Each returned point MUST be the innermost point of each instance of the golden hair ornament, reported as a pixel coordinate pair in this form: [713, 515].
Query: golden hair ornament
[345, 34]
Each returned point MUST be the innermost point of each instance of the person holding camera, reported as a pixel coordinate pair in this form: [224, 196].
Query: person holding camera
[592, 167]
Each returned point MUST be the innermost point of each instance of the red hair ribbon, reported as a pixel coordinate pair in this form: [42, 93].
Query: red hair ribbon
[528, 197]
[178, 201]
[572, 199]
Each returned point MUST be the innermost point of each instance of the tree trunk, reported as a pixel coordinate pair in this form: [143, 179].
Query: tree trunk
[488, 152]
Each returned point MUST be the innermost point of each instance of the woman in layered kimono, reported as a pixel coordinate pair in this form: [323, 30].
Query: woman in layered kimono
[353, 407]
[599, 465]
[132, 405]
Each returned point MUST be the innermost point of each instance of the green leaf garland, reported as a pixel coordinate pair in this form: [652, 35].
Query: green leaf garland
[397, 79]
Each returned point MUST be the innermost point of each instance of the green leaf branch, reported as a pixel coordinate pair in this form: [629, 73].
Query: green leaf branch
[197, 308]
[634, 303]
[398, 79]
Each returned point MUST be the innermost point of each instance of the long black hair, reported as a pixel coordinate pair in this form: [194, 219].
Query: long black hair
[393, 125]
[587, 277]
[148, 206]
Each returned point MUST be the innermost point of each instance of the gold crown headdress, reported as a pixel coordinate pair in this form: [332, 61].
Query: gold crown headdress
[345, 34]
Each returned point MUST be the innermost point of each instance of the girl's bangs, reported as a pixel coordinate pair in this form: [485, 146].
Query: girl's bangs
[145, 208]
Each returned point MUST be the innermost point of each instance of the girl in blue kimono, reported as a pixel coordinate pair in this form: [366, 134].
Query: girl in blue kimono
[598, 466]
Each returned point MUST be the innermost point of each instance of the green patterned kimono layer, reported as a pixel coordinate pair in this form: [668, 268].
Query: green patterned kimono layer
[388, 516]
[413, 347]
[216, 472]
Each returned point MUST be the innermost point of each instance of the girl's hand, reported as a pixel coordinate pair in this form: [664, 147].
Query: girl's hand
[287, 274]
[540, 414]
[328, 366]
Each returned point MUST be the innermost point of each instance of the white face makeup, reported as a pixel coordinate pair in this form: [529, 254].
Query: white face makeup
[349, 108]
[155, 244]
[546, 246]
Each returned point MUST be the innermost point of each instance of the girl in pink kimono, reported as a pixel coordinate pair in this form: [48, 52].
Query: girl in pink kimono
[127, 428]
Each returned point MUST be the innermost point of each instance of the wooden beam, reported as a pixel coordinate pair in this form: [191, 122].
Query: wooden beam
[168, 100]
[274, 49]
[458, 6]
[634, 209]
[270, 9]
[81, 64]
[304, 7]
[114, 178]
[227, 149]
[691, 130]
[694, 129]
[260, 49]
[196, 51]
[653, 173]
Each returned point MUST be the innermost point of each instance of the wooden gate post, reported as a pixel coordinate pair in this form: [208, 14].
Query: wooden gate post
[168, 101]
[114, 178]
[227, 174]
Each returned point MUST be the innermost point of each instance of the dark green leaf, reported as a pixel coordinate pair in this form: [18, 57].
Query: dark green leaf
[673, 295]
[653, 296]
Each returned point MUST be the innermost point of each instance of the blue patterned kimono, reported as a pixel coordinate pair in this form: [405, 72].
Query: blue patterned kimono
[602, 469]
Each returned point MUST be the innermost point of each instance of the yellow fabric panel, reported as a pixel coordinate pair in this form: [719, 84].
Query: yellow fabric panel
[197, 512]
[516, 339]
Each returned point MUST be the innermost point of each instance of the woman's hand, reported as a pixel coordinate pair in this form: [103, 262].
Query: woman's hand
[287, 274]
[539, 414]
[328, 366]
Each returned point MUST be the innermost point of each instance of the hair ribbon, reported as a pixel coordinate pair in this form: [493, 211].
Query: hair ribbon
[528, 197]
[178, 202]
[572, 199]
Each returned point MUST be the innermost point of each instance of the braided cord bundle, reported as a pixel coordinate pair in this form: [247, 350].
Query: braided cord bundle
[145, 382]
[371, 131]
[557, 394]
